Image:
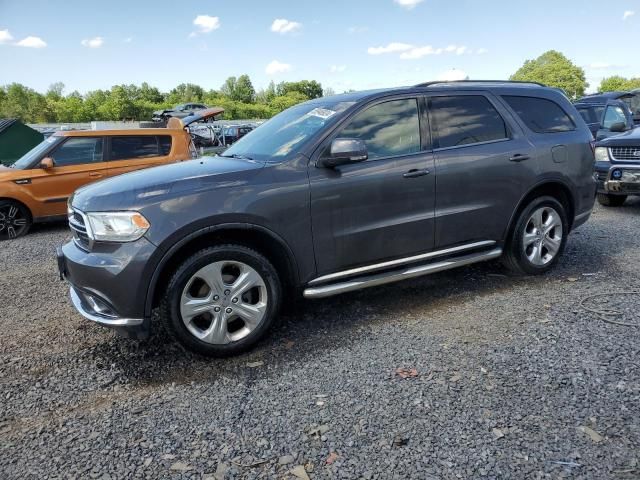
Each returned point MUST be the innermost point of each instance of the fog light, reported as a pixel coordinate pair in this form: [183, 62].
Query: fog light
[616, 174]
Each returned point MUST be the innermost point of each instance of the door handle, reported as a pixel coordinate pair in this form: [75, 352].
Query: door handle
[95, 174]
[416, 173]
[518, 157]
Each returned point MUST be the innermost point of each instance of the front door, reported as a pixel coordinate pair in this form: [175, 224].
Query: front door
[76, 162]
[381, 208]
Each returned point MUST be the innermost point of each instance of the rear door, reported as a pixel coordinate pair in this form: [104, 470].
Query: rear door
[381, 208]
[134, 152]
[76, 162]
[483, 164]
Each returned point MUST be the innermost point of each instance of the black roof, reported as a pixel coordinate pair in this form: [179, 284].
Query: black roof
[6, 123]
[604, 96]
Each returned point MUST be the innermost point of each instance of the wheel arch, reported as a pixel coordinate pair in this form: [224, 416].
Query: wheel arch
[553, 188]
[257, 237]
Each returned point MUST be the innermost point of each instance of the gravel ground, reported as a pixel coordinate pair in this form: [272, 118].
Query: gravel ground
[506, 377]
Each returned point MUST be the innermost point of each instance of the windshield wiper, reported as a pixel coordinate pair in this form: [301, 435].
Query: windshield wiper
[237, 155]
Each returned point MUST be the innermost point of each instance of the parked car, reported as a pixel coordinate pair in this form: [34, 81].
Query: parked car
[37, 186]
[601, 117]
[179, 111]
[232, 133]
[332, 195]
[618, 168]
[632, 99]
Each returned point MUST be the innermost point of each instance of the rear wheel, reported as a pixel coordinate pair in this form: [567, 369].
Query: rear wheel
[15, 220]
[611, 200]
[222, 300]
[539, 237]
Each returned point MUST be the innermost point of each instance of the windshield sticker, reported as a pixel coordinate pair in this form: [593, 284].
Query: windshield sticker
[322, 113]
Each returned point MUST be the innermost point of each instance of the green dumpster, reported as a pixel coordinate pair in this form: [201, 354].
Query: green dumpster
[16, 139]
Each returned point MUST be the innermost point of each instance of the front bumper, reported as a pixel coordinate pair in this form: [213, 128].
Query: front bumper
[106, 284]
[620, 179]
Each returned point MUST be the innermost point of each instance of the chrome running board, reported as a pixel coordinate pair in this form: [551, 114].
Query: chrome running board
[399, 274]
[402, 261]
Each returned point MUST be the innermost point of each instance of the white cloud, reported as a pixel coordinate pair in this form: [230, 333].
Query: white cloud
[95, 42]
[453, 74]
[393, 47]
[627, 14]
[408, 4]
[276, 67]
[357, 29]
[461, 50]
[32, 42]
[206, 23]
[128, 40]
[337, 68]
[482, 51]
[419, 52]
[5, 36]
[282, 25]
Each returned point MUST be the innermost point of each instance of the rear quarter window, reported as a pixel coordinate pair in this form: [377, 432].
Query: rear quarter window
[165, 144]
[541, 115]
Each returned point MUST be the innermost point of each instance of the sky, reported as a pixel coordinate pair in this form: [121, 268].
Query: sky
[344, 44]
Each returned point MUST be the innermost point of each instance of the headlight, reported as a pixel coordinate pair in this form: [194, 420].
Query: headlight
[116, 226]
[602, 154]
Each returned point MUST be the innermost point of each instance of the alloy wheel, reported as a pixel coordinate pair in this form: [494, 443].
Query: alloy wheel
[542, 237]
[13, 221]
[224, 302]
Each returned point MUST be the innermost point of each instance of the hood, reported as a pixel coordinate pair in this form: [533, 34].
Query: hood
[202, 115]
[630, 138]
[135, 190]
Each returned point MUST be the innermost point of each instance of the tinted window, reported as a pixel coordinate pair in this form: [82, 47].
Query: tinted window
[613, 115]
[599, 112]
[165, 144]
[541, 115]
[133, 147]
[78, 150]
[464, 120]
[388, 129]
[589, 114]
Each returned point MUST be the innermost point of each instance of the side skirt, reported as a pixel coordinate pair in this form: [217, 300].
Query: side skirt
[397, 275]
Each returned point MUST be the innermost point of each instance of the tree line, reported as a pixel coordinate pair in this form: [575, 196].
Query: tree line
[132, 102]
[238, 96]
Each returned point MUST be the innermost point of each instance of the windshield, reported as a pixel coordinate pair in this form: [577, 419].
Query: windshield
[35, 153]
[287, 132]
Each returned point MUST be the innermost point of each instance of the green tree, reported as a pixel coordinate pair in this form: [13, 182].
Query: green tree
[244, 91]
[555, 70]
[617, 83]
[309, 88]
[282, 102]
[268, 94]
[185, 92]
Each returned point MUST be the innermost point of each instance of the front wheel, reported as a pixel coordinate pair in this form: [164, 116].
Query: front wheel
[15, 220]
[607, 200]
[539, 237]
[222, 300]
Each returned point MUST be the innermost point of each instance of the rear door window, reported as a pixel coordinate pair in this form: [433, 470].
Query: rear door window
[465, 120]
[78, 151]
[541, 115]
[132, 146]
[589, 114]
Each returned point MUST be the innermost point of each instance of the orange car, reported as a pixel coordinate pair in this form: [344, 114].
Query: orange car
[37, 186]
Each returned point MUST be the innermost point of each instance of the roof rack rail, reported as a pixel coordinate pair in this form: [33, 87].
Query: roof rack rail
[440, 82]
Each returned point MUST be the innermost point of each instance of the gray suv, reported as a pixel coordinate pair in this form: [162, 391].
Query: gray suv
[333, 195]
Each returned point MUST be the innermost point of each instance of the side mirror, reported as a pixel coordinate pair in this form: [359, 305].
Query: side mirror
[618, 127]
[344, 151]
[46, 163]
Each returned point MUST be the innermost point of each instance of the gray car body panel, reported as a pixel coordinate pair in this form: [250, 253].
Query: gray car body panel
[334, 219]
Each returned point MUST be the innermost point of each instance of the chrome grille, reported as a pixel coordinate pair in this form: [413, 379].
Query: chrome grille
[626, 153]
[79, 229]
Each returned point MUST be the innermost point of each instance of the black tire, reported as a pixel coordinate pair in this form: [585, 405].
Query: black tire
[515, 258]
[153, 124]
[607, 200]
[171, 303]
[15, 220]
